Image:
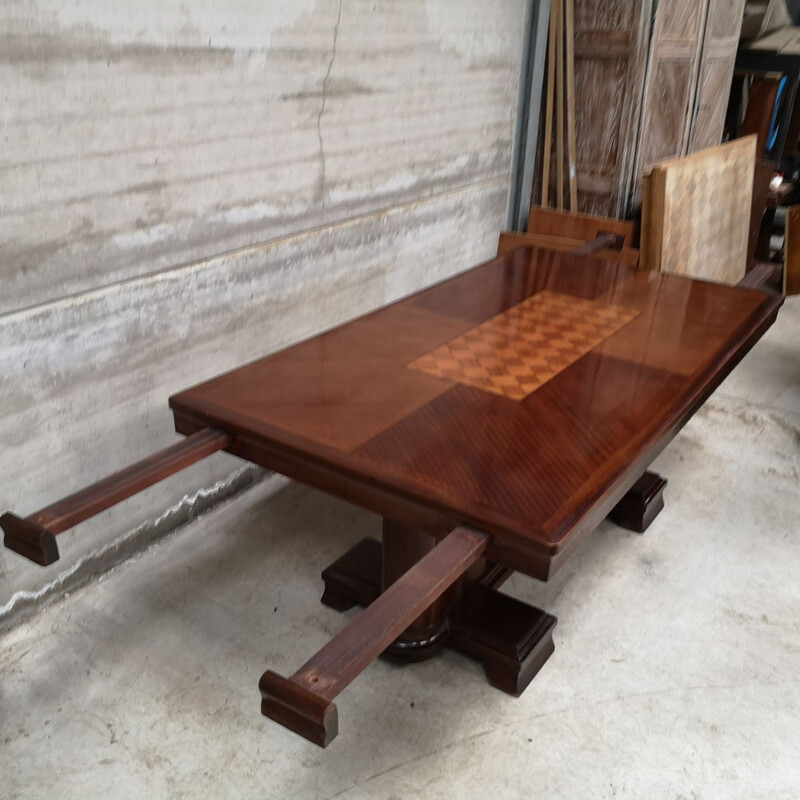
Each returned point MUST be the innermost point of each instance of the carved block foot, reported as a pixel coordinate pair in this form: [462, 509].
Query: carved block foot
[308, 714]
[29, 539]
[642, 504]
[512, 639]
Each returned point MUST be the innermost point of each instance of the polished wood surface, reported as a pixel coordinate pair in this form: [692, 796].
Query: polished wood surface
[304, 702]
[345, 412]
[519, 350]
[34, 536]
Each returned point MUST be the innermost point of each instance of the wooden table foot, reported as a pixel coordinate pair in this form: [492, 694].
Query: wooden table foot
[301, 710]
[513, 639]
[642, 504]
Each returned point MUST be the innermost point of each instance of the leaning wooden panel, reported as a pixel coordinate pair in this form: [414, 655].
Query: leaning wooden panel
[696, 212]
[570, 225]
[611, 46]
[670, 86]
[511, 240]
[723, 26]
[791, 262]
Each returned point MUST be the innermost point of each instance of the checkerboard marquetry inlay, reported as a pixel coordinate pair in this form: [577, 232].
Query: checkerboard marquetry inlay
[516, 352]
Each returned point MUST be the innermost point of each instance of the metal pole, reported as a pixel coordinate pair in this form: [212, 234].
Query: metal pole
[530, 100]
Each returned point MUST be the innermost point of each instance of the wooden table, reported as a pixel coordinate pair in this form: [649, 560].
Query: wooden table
[493, 420]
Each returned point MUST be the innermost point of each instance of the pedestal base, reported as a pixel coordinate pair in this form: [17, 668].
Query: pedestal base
[511, 638]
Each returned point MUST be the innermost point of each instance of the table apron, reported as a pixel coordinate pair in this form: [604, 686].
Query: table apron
[390, 504]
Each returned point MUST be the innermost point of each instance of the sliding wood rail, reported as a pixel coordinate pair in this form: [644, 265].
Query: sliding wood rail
[35, 536]
[605, 240]
[304, 702]
[760, 275]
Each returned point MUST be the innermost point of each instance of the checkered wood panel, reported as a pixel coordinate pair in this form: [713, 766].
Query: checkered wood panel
[706, 233]
[696, 213]
[517, 351]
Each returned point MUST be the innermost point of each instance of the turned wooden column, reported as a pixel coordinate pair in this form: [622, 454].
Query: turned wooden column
[404, 546]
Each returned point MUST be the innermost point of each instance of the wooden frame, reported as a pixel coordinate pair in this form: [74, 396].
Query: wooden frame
[510, 240]
[583, 227]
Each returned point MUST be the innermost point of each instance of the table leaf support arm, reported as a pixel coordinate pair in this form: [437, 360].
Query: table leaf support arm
[34, 536]
[304, 702]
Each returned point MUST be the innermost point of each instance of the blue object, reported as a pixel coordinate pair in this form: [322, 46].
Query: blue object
[772, 135]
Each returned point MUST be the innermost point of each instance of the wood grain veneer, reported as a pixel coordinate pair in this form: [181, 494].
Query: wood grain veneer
[344, 412]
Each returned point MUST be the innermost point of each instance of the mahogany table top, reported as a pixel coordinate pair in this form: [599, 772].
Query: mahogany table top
[523, 397]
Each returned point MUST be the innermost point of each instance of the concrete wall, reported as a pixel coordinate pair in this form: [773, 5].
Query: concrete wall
[187, 186]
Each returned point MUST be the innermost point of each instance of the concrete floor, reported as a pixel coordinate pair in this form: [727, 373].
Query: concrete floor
[676, 672]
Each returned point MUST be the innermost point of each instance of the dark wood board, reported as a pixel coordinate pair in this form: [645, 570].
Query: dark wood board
[510, 240]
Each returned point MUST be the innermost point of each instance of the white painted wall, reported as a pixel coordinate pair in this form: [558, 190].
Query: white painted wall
[337, 154]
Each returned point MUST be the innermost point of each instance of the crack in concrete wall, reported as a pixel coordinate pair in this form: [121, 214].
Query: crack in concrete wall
[24, 604]
[135, 155]
[323, 104]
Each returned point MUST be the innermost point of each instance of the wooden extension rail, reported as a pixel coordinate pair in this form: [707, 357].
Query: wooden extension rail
[304, 702]
[760, 274]
[35, 536]
[605, 240]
